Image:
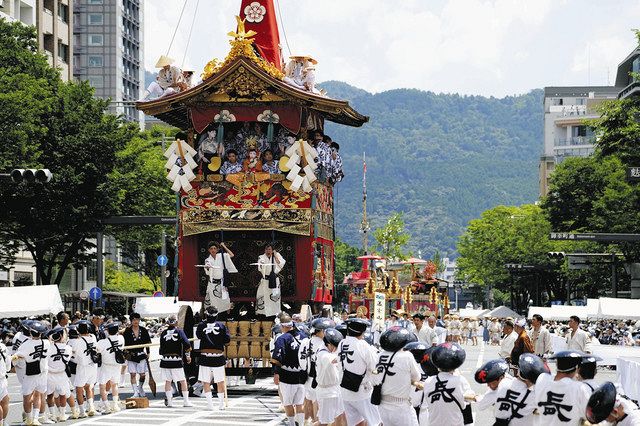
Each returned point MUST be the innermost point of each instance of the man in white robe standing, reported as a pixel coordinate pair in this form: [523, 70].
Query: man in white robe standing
[217, 293]
[268, 296]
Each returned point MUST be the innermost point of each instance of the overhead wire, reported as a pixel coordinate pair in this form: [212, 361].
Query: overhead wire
[193, 21]
[284, 32]
[177, 26]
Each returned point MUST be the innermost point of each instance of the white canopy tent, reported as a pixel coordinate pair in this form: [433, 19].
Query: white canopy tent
[471, 313]
[624, 309]
[605, 308]
[30, 300]
[502, 312]
[152, 307]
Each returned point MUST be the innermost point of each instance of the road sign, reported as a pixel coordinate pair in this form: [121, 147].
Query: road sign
[633, 174]
[158, 294]
[95, 293]
[84, 295]
[594, 237]
[162, 260]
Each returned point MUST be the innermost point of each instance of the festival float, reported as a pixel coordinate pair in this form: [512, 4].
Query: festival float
[422, 293]
[249, 103]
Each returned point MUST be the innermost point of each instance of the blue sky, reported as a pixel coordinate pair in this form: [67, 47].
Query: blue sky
[491, 48]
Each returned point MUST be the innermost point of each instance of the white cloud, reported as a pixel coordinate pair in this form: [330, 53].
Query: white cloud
[490, 47]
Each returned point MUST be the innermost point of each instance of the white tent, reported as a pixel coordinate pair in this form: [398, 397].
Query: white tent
[502, 312]
[470, 313]
[30, 300]
[151, 307]
[611, 308]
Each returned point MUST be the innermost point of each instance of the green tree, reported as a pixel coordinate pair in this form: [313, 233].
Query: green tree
[391, 239]
[504, 235]
[91, 154]
[346, 259]
[123, 279]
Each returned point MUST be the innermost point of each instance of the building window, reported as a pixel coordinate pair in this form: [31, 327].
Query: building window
[63, 51]
[581, 101]
[96, 19]
[579, 131]
[95, 1]
[63, 12]
[96, 81]
[96, 40]
[21, 278]
[95, 61]
[92, 271]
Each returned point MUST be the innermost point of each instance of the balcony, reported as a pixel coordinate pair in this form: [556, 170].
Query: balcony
[575, 141]
[631, 90]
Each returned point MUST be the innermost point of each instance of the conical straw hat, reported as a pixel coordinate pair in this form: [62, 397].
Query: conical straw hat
[164, 61]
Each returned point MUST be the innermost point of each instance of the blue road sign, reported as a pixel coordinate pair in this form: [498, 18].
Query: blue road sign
[162, 260]
[158, 294]
[95, 293]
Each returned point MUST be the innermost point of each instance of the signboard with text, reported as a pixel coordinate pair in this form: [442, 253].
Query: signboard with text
[593, 237]
[379, 309]
[633, 174]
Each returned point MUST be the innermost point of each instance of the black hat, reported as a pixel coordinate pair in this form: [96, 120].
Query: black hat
[395, 338]
[320, 324]
[427, 364]
[417, 349]
[342, 328]
[601, 403]
[448, 356]
[491, 370]
[587, 367]
[531, 366]
[83, 326]
[24, 325]
[73, 331]
[567, 361]
[56, 333]
[211, 313]
[356, 326]
[332, 336]
[38, 328]
[113, 325]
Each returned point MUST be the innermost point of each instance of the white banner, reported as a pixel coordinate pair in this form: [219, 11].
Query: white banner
[379, 308]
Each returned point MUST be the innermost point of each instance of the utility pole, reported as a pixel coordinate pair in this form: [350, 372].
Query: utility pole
[364, 226]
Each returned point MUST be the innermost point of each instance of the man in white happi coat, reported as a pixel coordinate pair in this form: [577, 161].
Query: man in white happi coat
[170, 80]
[268, 296]
[217, 294]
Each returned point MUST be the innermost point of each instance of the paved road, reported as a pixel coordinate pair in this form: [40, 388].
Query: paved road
[248, 404]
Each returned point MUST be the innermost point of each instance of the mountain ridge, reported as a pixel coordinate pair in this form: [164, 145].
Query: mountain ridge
[441, 159]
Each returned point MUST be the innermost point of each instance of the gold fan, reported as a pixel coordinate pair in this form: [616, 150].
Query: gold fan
[214, 163]
[283, 163]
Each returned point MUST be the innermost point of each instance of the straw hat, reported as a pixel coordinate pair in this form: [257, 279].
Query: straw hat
[164, 61]
[307, 57]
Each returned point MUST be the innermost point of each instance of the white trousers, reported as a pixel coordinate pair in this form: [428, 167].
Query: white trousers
[158, 92]
[398, 415]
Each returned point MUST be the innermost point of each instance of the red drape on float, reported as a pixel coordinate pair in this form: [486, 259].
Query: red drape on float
[289, 115]
[260, 16]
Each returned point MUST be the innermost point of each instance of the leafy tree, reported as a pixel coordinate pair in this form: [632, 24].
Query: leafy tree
[123, 279]
[346, 259]
[91, 154]
[391, 239]
[505, 235]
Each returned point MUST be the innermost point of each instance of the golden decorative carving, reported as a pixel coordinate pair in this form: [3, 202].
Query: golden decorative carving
[241, 45]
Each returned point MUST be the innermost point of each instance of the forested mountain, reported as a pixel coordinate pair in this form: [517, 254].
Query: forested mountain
[441, 159]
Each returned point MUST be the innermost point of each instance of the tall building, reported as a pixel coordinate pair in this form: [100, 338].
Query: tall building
[52, 21]
[565, 132]
[630, 85]
[109, 51]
